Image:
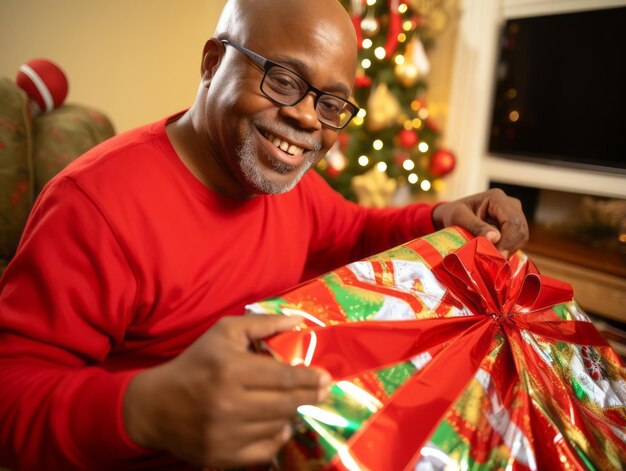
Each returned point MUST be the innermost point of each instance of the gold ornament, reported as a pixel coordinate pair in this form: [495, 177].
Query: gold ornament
[434, 14]
[382, 108]
[374, 188]
[335, 158]
[370, 25]
[407, 73]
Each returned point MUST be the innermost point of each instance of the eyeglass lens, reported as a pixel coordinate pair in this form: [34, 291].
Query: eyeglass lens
[286, 88]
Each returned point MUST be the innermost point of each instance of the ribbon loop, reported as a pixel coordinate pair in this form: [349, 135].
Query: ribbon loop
[481, 278]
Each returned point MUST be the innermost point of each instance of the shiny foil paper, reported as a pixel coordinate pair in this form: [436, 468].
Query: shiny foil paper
[447, 356]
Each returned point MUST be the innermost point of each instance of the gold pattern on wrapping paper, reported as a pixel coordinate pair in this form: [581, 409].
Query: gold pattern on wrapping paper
[444, 242]
[387, 276]
[401, 253]
[468, 405]
[548, 406]
[379, 393]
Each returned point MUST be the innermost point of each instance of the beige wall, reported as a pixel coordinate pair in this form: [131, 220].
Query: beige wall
[135, 60]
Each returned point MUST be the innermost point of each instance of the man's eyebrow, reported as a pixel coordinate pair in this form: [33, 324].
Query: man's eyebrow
[302, 69]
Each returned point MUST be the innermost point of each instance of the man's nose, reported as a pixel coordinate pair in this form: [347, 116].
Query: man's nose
[303, 113]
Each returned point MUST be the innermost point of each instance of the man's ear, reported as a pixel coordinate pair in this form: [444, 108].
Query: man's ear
[211, 57]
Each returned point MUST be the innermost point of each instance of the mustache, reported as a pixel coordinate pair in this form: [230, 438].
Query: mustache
[289, 133]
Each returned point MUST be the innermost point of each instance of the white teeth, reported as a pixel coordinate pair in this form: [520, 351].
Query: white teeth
[284, 145]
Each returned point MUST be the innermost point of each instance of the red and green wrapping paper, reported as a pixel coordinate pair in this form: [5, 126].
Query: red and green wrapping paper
[447, 356]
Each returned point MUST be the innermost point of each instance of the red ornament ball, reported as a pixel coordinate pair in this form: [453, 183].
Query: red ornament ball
[407, 138]
[442, 162]
[362, 81]
[44, 82]
[343, 139]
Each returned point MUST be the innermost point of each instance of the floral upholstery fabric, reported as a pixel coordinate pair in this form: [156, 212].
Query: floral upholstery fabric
[16, 166]
[63, 134]
[33, 150]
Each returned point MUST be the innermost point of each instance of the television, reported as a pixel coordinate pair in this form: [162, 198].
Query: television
[560, 94]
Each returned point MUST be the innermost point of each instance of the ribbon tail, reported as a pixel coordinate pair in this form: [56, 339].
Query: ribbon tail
[576, 332]
[379, 343]
[399, 427]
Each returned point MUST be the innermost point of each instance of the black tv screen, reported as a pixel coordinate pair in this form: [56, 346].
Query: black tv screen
[561, 88]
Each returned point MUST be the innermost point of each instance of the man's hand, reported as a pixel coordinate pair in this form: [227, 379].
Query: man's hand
[491, 214]
[218, 404]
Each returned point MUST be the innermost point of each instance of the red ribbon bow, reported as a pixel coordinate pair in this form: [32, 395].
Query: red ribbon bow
[503, 297]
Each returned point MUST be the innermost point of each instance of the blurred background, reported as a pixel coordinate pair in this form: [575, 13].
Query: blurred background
[449, 91]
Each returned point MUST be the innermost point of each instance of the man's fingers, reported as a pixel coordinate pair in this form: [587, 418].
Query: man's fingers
[263, 372]
[262, 405]
[514, 237]
[465, 217]
[246, 329]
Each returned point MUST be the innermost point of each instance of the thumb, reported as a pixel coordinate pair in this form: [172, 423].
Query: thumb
[479, 227]
[258, 327]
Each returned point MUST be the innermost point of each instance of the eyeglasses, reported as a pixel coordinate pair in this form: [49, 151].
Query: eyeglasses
[285, 87]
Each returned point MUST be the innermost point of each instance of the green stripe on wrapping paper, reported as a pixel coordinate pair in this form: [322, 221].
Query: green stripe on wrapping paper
[398, 253]
[456, 447]
[358, 304]
[562, 312]
[346, 416]
[584, 458]
[579, 392]
[446, 241]
[395, 376]
[273, 305]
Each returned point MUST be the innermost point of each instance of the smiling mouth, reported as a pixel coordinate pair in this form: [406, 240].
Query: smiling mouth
[285, 146]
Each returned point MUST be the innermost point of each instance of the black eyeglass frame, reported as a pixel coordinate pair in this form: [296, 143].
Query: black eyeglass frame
[268, 64]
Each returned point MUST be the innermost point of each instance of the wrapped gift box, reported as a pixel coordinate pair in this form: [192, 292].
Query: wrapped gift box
[447, 356]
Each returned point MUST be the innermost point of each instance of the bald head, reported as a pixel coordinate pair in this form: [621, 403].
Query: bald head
[246, 21]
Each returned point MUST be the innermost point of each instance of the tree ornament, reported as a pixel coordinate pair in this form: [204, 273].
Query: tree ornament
[400, 157]
[355, 16]
[44, 82]
[374, 188]
[382, 108]
[442, 162]
[416, 51]
[336, 159]
[407, 73]
[343, 139]
[433, 14]
[395, 28]
[407, 138]
[362, 80]
[370, 25]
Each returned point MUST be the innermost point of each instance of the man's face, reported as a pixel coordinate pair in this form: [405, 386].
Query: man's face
[265, 146]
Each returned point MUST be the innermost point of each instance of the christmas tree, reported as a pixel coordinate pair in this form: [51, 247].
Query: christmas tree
[392, 142]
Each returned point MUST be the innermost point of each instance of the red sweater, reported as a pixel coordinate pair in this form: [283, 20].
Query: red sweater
[125, 261]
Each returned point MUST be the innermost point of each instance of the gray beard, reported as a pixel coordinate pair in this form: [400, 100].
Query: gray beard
[249, 165]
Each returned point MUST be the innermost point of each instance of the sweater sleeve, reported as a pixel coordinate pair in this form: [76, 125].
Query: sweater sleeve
[344, 231]
[65, 300]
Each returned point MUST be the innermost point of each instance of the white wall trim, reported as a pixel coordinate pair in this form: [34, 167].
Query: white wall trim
[472, 81]
[525, 8]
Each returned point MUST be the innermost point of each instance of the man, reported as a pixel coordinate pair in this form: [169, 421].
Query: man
[111, 352]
